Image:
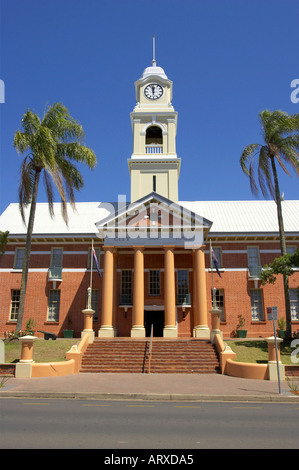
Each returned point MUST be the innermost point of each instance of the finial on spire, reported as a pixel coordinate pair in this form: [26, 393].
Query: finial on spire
[154, 63]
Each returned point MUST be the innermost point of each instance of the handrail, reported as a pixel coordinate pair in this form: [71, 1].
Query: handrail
[150, 350]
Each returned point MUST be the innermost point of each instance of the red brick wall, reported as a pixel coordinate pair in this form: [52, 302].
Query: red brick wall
[74, 287]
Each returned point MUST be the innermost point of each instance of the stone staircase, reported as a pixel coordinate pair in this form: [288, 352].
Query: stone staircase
[191, 356]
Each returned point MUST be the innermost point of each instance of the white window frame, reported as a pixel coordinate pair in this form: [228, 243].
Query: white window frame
[257, 258]
[294, 301]
[54, 263]
[14, 304]
[53, 306]
[218, 253]
[220, 304]
[19, 260]
[154, 285]
[98, 254]
[257, 305]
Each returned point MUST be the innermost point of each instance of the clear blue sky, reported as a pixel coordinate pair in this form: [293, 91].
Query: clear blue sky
[228, 60]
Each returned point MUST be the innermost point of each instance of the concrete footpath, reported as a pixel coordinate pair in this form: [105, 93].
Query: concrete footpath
[175, 387]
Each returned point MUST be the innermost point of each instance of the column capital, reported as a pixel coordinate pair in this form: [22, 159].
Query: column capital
[168, 247]
[198, 248]
[138, 247]
[109, 248]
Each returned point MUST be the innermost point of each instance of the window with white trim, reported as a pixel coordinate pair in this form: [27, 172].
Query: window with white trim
[294, 300]
[19, 258]
[218, 254]
[219, 298]
[14, 305]
[56, 257]
[154, 282]
[95, 303]
[53, 305]
[182, 286]
[257, 309]
[126, 287]
[97, 252]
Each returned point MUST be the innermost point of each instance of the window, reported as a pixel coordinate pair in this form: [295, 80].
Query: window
[95, 303]
[98, 252]
[154, 183]
[154, 282]
[291, 250]
[254, 261]
[294, 299]
[14, 306]
[126, 287]
[257, 310]
[182, 287]
[154, 140]
[219, 297]
[56, 258]
[53, 305]
[218, 255]
[19, 258]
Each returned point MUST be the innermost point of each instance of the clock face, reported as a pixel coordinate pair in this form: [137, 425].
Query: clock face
[153, 91]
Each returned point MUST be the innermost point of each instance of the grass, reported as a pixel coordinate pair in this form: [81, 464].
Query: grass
[54, 351]
[43, 351]
[257, 351]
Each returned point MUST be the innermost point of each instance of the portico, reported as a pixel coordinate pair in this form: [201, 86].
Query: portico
[167, 303]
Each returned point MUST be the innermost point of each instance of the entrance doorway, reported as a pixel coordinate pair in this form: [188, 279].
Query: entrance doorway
[155, 318]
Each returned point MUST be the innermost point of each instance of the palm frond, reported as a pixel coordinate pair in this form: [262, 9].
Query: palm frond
[26, 185]
[247, 152]
[30, 122]
[49, 191]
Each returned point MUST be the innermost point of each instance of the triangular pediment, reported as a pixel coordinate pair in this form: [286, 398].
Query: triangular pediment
[153, 218]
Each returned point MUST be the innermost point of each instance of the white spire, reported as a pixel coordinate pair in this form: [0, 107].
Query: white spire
[153, 69]
[154, 63]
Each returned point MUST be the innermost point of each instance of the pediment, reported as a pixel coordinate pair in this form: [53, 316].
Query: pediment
[153, 217]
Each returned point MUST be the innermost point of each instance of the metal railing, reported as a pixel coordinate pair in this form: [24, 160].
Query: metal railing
[150, 349]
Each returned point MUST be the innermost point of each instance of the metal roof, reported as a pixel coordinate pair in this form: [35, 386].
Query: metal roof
[228, 217]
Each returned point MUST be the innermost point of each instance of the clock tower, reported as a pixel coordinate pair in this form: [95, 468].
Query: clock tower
[154, 165]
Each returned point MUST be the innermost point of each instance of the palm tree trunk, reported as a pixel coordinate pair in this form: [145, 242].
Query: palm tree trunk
[282, 249]
[27, 251]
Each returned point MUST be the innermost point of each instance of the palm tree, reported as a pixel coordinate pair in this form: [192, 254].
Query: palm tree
[281, 144]
[51, 146]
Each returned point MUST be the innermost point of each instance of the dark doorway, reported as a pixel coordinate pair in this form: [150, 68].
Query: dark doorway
[157, 319]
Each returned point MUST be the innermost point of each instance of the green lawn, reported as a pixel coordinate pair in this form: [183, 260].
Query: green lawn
[257, 351]
[54, 351]
[43, 351]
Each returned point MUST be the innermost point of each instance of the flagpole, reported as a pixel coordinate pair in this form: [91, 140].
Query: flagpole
[211, 266]
[91, 269]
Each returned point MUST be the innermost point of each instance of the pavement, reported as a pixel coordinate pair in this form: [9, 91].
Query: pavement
[160, 387]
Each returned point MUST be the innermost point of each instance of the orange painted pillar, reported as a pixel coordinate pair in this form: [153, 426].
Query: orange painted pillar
[106, 330]
[27, 348]
[170, 328]
[138, 329]
[201, 329]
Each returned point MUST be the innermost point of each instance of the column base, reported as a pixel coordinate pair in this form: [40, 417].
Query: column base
[272, 368]
[170, 332]
[23, 370]
[138, 332]
[90, 333]
[201, 332]
[107, 332]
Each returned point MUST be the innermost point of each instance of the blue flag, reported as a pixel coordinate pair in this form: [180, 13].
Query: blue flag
[96, 262]
[216, 263]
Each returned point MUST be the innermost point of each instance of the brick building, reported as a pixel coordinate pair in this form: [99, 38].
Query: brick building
[153, 251]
